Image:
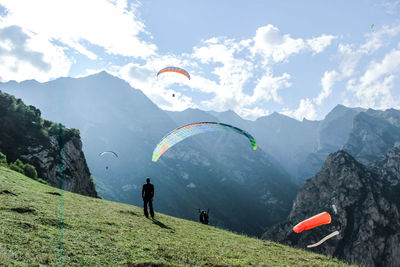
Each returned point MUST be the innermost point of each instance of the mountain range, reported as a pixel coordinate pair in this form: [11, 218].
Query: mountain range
[247, 191]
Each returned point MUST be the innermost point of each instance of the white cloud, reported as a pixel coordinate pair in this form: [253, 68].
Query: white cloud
[253, 113]
[203, 84]
[213, 52]
[233, 68]
[232, 72]
[268, 86]
[379, 37]
[327, 82]
[306, 109]
[93, 71]
[375, 70]
[270, 43]
[236, 65]
[349, 59]
[107, 24]
[376, 95]
[373, 89]
[392, 6]
[25, 55]
[37, 35]
[318, 44]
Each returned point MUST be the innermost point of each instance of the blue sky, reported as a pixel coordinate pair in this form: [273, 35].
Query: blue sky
[299, 58]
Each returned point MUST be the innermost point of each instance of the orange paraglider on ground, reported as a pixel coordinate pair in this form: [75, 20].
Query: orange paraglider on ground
[317, 220]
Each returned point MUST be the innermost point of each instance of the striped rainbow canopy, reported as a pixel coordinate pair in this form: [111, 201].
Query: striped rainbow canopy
[174, 69]
[188, 130]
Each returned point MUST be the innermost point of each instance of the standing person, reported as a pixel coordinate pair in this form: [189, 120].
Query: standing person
[204, 216]
[148, 196]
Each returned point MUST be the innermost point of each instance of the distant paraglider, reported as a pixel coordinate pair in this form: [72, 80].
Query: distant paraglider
[317, 220]
[174, 69]
[334, 208]
[109, 152]
[189, 130]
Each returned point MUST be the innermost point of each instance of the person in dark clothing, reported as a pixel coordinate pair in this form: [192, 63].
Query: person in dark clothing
[204, 216]
[148, 196]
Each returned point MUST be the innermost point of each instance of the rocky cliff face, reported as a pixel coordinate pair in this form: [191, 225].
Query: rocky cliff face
[25, 135]
[372, 136]
[364, 203]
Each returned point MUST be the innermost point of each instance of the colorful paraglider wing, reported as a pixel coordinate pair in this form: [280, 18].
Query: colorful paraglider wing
[186, 131]
[323, 239]
[317, 220]
[175, 69]
[108, 152]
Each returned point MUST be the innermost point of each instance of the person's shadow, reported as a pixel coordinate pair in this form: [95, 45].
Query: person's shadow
[157, 222]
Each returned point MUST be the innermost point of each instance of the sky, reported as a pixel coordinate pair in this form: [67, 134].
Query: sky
[298, 58]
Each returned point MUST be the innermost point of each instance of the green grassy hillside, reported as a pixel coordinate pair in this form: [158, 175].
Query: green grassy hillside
[103, 233]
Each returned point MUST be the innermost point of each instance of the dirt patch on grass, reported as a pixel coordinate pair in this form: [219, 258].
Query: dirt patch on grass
[7, 192]
[54, 193]
[27, 225]
[128, 212]
[148, 264]
[23, 210]
[53, 222]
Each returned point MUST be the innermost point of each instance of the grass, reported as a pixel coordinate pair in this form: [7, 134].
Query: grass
[104, 233]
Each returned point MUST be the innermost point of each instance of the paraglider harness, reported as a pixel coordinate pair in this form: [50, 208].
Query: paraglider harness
[204, 216]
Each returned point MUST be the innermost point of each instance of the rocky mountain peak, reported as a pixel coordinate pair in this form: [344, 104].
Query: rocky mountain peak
[364, 206]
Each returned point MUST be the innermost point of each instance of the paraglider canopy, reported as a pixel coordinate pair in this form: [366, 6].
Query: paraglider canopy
[317, 220]
[174, 69]
[109, 152]
[189, 130]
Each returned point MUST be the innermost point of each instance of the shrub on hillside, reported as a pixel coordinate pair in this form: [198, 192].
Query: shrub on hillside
[3, 159]
[17, 166]
[40, 180]
[30, 171]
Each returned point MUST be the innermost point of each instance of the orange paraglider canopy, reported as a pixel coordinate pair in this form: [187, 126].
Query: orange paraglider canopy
[317, 220]
[175, 69]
